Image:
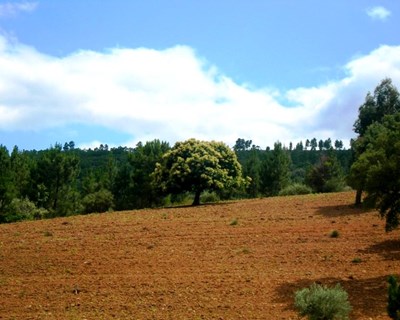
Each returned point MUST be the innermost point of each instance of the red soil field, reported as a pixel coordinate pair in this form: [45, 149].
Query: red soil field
[195, 263]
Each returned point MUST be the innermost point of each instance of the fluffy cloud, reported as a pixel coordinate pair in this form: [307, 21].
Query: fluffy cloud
[12, 8]
[174, 94]
[378, 13]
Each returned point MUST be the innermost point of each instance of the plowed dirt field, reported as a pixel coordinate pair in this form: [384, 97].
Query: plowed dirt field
[232, 260]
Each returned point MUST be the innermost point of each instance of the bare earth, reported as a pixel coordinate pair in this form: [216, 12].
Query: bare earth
[191, 263]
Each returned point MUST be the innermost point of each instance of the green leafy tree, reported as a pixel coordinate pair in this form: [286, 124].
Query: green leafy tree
[377, 169]
[143, 162]
[242, 145]
[326, 175]
[196, 166]
[55, 180]
[20, 165]
[384, 101]
[252, 169]
[7, 190]
[275, 174]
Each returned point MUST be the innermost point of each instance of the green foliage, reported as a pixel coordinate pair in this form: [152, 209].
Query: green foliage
[295, 189]
[23, 209]
[7, 189]
[209, 197]
[356, 260]
[322, 303]
[99, 201]
[196, 166]
[275, 174]
[55, 176]
[377, 169]
[384, 101]
[393, 307]
[334, 234]
[326, 176]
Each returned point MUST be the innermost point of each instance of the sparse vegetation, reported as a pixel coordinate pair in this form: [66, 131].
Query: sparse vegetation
[295, 189]
[356, 260]
[322, 303]
[234, 222]
[393, 307]
[334, 234]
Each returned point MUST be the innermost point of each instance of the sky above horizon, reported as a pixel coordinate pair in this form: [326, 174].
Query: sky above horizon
[119, 72]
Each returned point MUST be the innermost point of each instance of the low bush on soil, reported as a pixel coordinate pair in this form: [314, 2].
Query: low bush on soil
[234, 222]
[356, 260]
[23, 209]
[100, 201]
[322, 303]
[209, 197]
[294, 189]
[334, 234]
[393, 307]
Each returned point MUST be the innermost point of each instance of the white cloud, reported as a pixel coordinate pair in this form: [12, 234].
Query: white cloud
[13, 8]
[378, 13]
[173, 95]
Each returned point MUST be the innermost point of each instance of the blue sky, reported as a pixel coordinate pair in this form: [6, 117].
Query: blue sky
[119, 72]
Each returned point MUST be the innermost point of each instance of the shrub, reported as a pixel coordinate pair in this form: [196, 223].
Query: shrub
[23, 209]
[100, 201]
[335, 234]
[209, 197]
[294, 189]
[393, 307]
[321, 303]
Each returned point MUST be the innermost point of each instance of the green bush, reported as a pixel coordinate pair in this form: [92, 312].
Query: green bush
[209, 197]
[334, 234]
[393, 307]
[23, 209]
[296, 188]
[321, 303]
[100, 201]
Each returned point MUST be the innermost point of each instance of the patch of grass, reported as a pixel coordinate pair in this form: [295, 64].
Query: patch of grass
[234, 222]
[334, 234]
[356, 260]
[48, 233]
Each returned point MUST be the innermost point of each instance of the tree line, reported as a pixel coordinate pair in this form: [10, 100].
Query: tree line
[64, 180]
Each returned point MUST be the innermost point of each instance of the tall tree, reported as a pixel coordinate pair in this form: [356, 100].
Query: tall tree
[275, 170]
[384, 101]
[377, 169]
[55, 177]
[7, 190]
[252, 169]
[143, 161]
[197, 166]
[326, 175]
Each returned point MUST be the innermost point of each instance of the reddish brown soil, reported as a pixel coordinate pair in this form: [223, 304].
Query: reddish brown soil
[191, 263]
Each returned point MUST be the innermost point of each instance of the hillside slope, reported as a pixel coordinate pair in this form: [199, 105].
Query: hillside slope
[233, 260]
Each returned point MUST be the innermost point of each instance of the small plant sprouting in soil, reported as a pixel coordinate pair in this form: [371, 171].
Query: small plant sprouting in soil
[334, 234]
[234, 222]
[48, 233]
[246, 250]
[356, 260]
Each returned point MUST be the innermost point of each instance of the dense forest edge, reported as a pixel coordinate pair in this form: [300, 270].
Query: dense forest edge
[64, 180]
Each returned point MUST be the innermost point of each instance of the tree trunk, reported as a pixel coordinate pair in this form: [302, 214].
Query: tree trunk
[358, 197]
[196, 200]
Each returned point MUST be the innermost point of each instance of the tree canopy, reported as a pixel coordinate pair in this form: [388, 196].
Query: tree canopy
[196, 166]
[378, 168]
